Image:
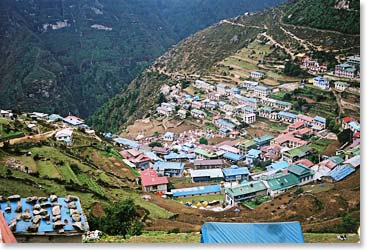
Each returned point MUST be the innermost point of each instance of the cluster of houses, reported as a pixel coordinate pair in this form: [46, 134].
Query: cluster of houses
[229, 165]
[66, 124]
[227, 108]
[350, 68]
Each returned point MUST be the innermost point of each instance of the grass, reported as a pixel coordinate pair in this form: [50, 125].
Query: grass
[28, 161]
[258, 201]
[154, 210]
[154, 237]
[92, 185]
[329, 238]
[47, 168]
[318, 188]
[163, 237]
[196, 199]
[68, 173]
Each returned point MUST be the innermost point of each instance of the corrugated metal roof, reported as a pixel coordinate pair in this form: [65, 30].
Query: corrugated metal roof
[340, 172]
[195, 190]
[212, 173]
[233, 157]
[274, 232]
[278, 165]
[282, 181]
[247, 188]
[235, 171]
[162, 165]
[354, 161]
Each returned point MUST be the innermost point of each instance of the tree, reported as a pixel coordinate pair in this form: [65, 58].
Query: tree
[155, 144]
[203, 140]
[161, 98]
[291, 69]
[119, 219]
[346, 136]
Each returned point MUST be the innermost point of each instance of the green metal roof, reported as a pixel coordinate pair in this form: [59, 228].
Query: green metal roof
[248, 143]
[300, 151]
[205, 153]
[281, 181]
[265, 108]
[264, 138]
[247, 188]
[299, 169]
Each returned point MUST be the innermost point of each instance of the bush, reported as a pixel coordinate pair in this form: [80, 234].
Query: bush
[174, 231]
[119, 219]
[299, 191]
[155, 144]
[203, 140]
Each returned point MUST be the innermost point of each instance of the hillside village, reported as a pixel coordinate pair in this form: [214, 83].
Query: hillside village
[248, 141]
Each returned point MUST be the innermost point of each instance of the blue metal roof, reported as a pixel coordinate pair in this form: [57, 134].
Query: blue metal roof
[283, 113]
[226, 123]
[274, 232]
[232, 156]
[127, 142]
[253, 153]
[355, 125]
[173, 155]
[262, 88]
[21, 226]
[235, 170]
[340, 172]
[278, 165]
[162, 165]
[195, 190]
[320, 119]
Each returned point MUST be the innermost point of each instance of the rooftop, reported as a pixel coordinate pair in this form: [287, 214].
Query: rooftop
[281, 181]
[235, 170]
[212, 173]
[247, 188]
[149, 177]
[195, 190]
[163, 165]
[44, 215]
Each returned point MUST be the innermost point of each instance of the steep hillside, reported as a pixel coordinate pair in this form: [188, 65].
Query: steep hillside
[202, 55]
[71, 56]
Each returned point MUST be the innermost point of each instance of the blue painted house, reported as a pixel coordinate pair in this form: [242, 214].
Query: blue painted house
[171, 169]
[252, 156]
[235, 173]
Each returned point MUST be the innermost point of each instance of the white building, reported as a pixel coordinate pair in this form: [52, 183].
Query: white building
[261, 91]
[321, 83]
[341, 86]
[257, 74]
[249, 118]
[64, 135]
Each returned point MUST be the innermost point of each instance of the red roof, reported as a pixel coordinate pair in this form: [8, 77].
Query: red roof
[357, 134]
[149, 177]
[297, 125]
[305, 162]
[5, 233]
[305, 118]
[347, 119]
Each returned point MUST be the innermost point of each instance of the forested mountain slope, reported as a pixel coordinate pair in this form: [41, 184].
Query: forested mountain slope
[72, 55]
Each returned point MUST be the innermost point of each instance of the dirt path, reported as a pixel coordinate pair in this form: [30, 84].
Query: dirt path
[240, 25]
[33, 138]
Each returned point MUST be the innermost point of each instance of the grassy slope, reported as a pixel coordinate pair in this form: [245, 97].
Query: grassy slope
[161, 237]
